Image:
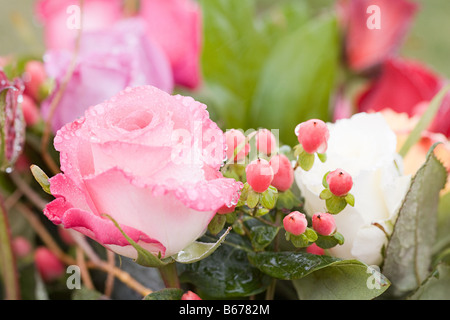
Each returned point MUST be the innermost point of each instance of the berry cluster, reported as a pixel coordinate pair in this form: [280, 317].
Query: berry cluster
[268, 175]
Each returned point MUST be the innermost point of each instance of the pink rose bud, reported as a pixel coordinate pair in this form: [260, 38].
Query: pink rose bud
[235, 139]
[12, 125]
[339, 182]
[315, 249]
[30, 110]
[323, 223]
[21, 246]
[49, 266]
[34, 76]
[190, 296]
[283, 172]
[266, 141]
[259, 175]
[295, 223]
[313, 135]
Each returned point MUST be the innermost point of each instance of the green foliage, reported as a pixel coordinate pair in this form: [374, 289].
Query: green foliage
[269, 68]
[410, 249]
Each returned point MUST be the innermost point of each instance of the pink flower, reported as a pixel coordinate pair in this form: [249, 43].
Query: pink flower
[176, 26]
[173, 25]
[150, 161]
[367, 45]
[401, 86]
[108, 62]
[406, 87]
[59, 20]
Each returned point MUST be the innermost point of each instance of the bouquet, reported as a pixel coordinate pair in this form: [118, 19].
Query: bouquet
[220, 150]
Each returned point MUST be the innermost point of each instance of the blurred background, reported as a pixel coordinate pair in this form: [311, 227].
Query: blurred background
[427, 41]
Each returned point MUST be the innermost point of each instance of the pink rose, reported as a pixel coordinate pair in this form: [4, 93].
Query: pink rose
[59, 18]
[108, 62]
[149, 160]
[367, 45]
[176, 26]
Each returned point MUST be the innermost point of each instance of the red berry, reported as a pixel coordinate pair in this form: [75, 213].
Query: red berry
[21, 246]
[283, 172]
[259, 175]
[266, 141]
[190, 296]
[313, 136]
[339, 182]
[323, 223]
[49, 266]
[315, 249]
[295, 223]
[233, 139]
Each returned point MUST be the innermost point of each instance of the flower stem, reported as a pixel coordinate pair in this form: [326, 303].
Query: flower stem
[169, 275]
[7, 259]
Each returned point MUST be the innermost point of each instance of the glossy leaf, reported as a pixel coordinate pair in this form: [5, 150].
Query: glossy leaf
[227, 273]
[322, 277]
[409, 251]
[199, 250]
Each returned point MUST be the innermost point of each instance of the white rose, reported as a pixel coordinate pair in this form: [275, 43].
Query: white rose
[365, 147]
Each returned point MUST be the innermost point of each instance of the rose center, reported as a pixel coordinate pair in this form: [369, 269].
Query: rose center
[136, 120]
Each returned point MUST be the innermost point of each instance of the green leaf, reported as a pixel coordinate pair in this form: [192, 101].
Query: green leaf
[41, 178]
[298, 78]
[327, 242]
[269, 198]
[346, 280]
[335, 204]
[436, 286]
[165, 294]
[197, 251]
[227, 273]
[299, 241]
[324, 180]
[237, 39]
[287, 200]
[409, 251]
[424, 121]
[261, 236]
[306, 160]
[322, 277]
[350, 199]
[311, 235]
[325, 194]
[217, 223]
[144, 258]
[322, 157]
[252, 198]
